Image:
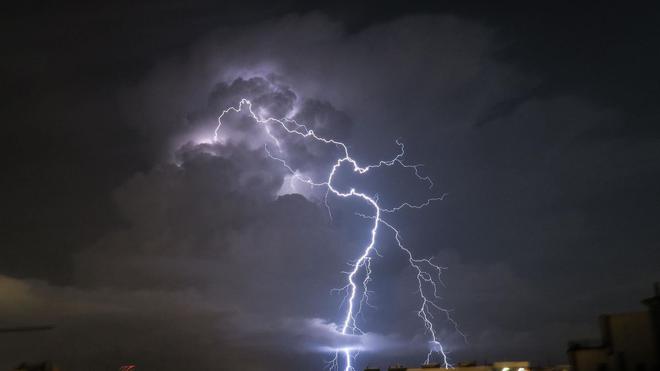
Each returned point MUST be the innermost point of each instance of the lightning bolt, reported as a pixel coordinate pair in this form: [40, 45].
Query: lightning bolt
[357, 293]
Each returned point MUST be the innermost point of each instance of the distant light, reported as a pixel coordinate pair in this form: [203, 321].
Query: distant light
[521, 369]
[506, 369]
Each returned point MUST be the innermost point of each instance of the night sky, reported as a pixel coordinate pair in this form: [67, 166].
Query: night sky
[142, 243]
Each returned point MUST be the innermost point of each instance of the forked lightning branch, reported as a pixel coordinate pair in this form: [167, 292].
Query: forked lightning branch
[356, 290]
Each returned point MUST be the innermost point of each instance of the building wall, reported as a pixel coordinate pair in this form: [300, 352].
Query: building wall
[589, 359]
[471, 368]
[653, 304]
[628, 344]
[632, 341]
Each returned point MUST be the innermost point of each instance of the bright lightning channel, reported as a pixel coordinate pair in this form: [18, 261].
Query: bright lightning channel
[428, 273]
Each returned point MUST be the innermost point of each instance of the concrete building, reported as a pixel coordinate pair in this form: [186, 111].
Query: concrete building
[43, 366]
[629, 342]
[496, 366]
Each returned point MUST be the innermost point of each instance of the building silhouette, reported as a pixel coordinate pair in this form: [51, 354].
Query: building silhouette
[471, 366]
[629, 341]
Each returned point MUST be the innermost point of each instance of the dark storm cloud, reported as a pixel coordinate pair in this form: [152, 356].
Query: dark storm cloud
[207, 250]
[244, 269]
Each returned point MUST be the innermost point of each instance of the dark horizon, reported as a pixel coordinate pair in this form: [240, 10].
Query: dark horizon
[127, 228]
